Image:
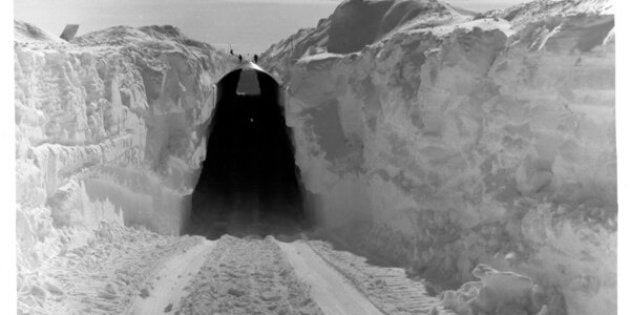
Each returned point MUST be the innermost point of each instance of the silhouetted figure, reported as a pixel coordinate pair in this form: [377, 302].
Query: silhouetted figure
[231, 52]
[255, 58]
[240, 58]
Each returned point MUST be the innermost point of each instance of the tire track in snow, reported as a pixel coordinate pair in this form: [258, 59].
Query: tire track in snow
[388, 288]
[171, 279]
[332, 292]
[248, 276]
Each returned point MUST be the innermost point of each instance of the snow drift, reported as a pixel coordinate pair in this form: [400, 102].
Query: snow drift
[453, 140]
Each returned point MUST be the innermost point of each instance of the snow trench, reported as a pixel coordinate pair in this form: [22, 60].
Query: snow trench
[452, 146]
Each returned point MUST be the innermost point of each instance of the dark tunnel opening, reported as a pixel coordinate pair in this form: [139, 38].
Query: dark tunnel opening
[249, 181]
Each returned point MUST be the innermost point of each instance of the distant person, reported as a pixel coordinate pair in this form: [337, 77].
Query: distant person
[255, 58]
[231, 52]
[240, 58]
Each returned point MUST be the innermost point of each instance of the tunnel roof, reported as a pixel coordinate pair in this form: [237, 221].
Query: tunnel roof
[252, 66]
[248, 66]
[246, 80]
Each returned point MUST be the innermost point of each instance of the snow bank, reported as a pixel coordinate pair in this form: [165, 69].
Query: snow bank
[496, 292]
[101, 276]
[109, 128]
[484, 139]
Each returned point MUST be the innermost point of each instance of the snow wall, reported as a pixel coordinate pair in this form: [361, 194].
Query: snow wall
[456, 140]
[110, 128]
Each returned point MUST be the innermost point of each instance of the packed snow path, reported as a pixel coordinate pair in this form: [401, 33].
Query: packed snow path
[332, 293]
[154, 274]
[171, 279]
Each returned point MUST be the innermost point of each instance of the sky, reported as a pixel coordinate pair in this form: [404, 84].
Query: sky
[250, 26]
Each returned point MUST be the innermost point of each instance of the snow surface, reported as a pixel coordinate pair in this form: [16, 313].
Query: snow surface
[482, 24]
[468, 139]
[451, 145]
[134, 271]
[99, 277]
[345, 299]
[541, 9]
[171, 281]
[116, 115]
[25, 32]
[108, 131]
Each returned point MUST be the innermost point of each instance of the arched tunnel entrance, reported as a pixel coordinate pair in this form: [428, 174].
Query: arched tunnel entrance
[249, 181]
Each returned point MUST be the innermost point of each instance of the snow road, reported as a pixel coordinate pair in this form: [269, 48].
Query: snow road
[171, 279]
[326, 291]
[263, 276]
[149, 273]
[333, 293]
